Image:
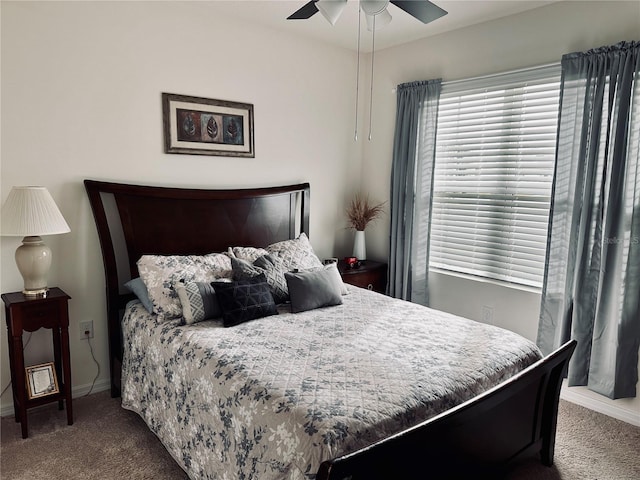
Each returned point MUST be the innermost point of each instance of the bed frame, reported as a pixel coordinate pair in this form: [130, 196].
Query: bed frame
[133, 220]
[479, 437]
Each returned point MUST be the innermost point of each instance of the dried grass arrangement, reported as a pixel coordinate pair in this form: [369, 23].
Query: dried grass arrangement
[361, 212]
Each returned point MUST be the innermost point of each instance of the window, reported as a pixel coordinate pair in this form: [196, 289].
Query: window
[495, 153]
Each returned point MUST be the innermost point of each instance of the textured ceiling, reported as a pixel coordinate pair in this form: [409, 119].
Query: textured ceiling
[402, 29]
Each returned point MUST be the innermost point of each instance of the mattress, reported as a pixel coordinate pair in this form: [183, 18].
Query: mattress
[274, 397]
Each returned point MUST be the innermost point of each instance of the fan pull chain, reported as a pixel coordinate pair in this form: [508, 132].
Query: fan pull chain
[355, 137]
[373, 52]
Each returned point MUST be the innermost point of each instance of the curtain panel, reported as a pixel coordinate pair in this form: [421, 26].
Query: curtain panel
[411, 189]
[591, 289]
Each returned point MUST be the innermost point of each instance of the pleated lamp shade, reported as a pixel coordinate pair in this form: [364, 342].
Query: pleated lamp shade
[30, 212]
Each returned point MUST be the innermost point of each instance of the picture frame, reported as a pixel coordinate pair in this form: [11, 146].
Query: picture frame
[204, 126]
[41, 380]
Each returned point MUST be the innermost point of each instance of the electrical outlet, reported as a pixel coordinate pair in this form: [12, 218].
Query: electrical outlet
[487, 314]
[86, 330]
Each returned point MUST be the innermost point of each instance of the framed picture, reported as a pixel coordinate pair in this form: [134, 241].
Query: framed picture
[203, 126]
[41, 380]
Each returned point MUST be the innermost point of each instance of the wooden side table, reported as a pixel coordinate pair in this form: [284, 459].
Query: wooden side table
[370, 274]
[30, 314]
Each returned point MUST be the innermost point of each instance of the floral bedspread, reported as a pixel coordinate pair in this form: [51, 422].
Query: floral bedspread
[273, 398]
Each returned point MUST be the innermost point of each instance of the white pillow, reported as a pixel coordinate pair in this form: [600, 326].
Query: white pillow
[161, 272]
[296, 254]
[337, 278]
[250, 254]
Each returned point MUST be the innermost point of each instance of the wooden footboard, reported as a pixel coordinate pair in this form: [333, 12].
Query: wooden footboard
[473, 440]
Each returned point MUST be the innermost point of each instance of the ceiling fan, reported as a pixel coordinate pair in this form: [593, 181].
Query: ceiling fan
[423, 10]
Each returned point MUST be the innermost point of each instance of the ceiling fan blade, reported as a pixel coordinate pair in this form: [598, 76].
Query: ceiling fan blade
[423, 10]
[306, 11]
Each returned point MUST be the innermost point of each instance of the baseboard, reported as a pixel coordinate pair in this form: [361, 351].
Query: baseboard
[580, 396]
[76, 392]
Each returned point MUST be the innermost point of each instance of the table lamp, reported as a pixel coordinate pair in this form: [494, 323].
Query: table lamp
[30, 212]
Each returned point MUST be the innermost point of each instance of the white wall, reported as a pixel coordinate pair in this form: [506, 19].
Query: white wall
[81, 98]
[536, 37]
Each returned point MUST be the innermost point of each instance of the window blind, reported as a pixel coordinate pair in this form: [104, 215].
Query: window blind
[495, 153]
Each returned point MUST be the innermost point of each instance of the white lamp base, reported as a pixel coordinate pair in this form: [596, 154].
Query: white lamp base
[33, 258]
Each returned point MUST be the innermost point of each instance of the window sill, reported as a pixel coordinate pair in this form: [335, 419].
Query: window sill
[474, 278]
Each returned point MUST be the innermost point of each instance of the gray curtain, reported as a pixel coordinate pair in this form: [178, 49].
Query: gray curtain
[591, 291]
[411, 189]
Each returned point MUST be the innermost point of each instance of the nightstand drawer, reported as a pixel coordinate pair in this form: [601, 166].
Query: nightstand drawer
[368, 280]
[371, 275]
[39, 315]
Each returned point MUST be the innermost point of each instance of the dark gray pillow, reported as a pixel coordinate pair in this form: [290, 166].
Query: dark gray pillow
[244, 300]
[313, 289]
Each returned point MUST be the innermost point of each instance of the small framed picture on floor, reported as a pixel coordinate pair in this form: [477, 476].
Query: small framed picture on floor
[41, 380]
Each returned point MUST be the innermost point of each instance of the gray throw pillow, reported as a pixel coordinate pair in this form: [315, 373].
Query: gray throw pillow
[271, 267]
[313, 289]
[199, 302]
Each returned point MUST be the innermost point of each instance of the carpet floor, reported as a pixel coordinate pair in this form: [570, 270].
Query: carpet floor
[107, 442]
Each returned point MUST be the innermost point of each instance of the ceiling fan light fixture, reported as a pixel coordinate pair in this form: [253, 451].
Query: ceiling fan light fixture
[381, 20]
[374, 7]
[331, 9]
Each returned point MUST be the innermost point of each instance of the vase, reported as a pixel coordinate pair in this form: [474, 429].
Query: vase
[359, 246]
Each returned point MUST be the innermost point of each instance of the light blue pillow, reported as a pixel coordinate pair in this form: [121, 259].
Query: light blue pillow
[138, 288]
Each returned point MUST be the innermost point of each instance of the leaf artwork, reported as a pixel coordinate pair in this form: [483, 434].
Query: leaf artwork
[189, 126]
[212, 128]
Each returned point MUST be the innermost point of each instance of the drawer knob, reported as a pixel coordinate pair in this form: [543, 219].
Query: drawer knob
[370, 287]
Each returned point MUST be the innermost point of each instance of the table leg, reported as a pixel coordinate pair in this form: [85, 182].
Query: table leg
[12, 367]
[66, 365]
[57, 355]
[20, 385]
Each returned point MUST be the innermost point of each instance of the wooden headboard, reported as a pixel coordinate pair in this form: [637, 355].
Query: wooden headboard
[133, 220]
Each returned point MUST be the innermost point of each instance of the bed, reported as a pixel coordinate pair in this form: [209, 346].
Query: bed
[364, 387]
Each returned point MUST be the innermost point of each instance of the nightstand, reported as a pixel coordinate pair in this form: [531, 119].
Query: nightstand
[370, 274]
[28, 314]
